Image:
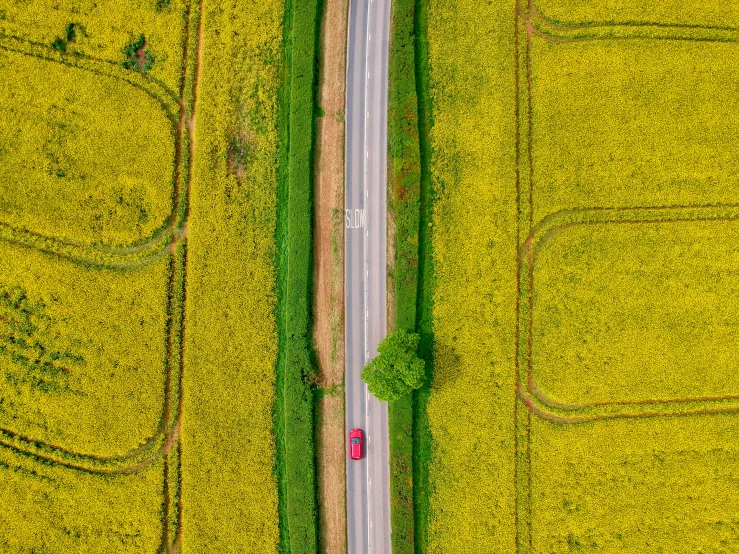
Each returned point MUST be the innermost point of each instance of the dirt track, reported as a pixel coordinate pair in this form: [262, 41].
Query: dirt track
[328, 328]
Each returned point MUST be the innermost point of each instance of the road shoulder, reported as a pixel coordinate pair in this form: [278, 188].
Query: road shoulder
[328, 326]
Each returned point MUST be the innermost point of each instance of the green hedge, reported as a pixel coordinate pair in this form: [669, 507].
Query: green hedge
[405, 159]
[296, 367]
[424, 306]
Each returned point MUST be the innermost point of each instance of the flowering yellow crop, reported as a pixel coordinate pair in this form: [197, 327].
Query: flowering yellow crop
[585, 391]
[98, 159]
[103, 28]
[52, 509]
[229, 488]
[83, 352]
[84, 157]
[696, 12]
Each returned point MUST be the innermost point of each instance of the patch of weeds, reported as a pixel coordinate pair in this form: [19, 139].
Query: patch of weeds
[24, 342]
[138, 56]
[71, 32]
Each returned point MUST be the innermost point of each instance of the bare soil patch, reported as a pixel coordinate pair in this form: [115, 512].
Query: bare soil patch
[328, 302]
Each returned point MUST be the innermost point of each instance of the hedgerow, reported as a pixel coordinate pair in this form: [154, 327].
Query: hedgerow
[296, 365]
[404, 159]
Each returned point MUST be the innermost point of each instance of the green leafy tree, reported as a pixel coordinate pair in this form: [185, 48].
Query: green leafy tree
[397, 369]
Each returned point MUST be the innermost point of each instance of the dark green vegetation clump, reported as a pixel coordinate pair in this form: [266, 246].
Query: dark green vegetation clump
[397, 370]
[138, 56]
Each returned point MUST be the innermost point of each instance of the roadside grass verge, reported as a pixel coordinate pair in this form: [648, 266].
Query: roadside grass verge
[296, 368]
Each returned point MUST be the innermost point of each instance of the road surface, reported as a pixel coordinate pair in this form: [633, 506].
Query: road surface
[368, 480]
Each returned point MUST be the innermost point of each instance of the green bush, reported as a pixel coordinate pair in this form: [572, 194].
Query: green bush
[138, 56]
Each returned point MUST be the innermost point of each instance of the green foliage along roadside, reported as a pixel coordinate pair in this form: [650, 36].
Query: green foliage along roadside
[405, 197]
[404, 154]
[397, 370]
[296, 368]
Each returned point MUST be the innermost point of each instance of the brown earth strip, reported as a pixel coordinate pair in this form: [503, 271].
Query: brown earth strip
[328, 259]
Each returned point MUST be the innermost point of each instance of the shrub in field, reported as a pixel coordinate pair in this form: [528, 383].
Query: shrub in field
[397, 370]
[138, 56]
[85, 157]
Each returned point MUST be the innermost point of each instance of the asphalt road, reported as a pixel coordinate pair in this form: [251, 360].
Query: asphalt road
[368, 480]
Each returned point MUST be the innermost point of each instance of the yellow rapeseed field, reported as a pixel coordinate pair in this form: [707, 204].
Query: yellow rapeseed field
[596, 138]
[103, 29]
[138, 193]
[595, 340]
[635, 486]
[471, 408]
[695, 12]
[84, 157]
[50, 509]
[584, 392]
[229, 490]
[83, 353]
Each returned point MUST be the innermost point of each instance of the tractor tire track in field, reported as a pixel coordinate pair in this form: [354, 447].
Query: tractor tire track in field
[559, 32]
[162, 443]
[149, 249]
[169, 240]
[533, 400]
[560, 221]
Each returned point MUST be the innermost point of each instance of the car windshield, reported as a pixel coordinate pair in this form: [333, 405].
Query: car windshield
[355, 440]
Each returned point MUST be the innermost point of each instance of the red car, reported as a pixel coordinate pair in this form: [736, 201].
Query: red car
[355, 444]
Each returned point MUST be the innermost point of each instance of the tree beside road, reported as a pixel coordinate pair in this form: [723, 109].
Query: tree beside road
[396, 370]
